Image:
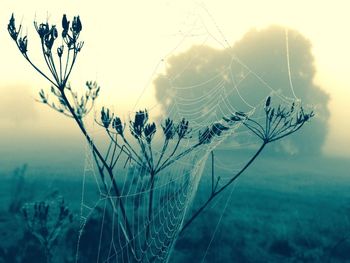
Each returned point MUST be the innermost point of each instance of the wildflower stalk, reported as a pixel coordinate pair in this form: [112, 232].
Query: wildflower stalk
[79, 110]
[215, 192]
[279, 123]
[127, 231]
[70, 105]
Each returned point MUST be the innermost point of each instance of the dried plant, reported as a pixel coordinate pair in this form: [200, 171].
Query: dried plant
[45, 224]
[133, 141]
[278, 123]
[143, 132]
[67, 102]
[60, 62]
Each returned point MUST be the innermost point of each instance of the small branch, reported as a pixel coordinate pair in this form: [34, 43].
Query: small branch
[118, 156]
[254, 130]
[66, 66]
[179, 156]
[286, 134]
[125, 149]
[150, 205]
[47, 62]
[39, 71]
[150, 155]
[165, 146]
[113, 151]
[215, 193]
[171, 155]
[54, 108]
[143, 150]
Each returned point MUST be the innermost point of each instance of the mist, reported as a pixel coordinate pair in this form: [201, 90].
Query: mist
[219, 135]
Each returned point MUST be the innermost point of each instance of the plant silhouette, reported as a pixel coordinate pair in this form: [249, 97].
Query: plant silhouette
[261, 54]
[133, 144]
[45, 229]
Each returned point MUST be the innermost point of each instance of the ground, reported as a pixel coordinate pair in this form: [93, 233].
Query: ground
[283, 209]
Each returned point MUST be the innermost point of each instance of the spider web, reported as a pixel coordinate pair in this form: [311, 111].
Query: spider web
[151, 238]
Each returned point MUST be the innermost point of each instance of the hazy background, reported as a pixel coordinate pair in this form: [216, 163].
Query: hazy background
[293, 204]
[128, 44]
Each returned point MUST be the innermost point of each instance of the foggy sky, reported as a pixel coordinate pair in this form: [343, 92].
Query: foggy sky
[127, 47]
[264, 53]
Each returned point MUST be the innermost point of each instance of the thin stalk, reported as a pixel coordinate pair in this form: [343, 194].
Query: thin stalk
[126, 230]
[66, 66]
[275, 127]
[179, 156]
[171, 155]
[38, 70]
[243, 169]
[118, 156]
[113, 153]
[60, 69]
[52, 62]
[254, 130]
[109, 171]
[132, 149]
[212, 172]
[150, 206]
[71, 66]
[125, 149]
[165, 146]
[214, 194]
[143, 150]
[47, 61]
[288, 133]
[266, 122]
[150, 155]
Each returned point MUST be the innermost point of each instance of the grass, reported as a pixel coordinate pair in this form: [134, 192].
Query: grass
[287, 215]
[284, 211]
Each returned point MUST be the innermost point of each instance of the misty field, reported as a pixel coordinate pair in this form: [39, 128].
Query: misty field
[284, 209]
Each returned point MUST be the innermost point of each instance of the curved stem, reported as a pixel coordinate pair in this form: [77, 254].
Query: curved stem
[40, 72]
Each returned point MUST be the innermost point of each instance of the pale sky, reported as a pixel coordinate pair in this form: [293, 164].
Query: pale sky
[126, 42]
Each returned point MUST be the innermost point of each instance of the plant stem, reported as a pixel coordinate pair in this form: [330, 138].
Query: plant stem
[150, 206]
[109, 171]
[212, 172]
[215, 193]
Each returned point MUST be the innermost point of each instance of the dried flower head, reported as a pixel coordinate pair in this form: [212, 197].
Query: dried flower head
[50, 37]
[11, 27]
[76, 25]
[42, 29]
[137, 126]
[106, 117]
[65, 26]
[118, 126]
[149, 131]
[182, 129]
[279, 122]
[211, 132]
[169, 129]
[22, 44]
